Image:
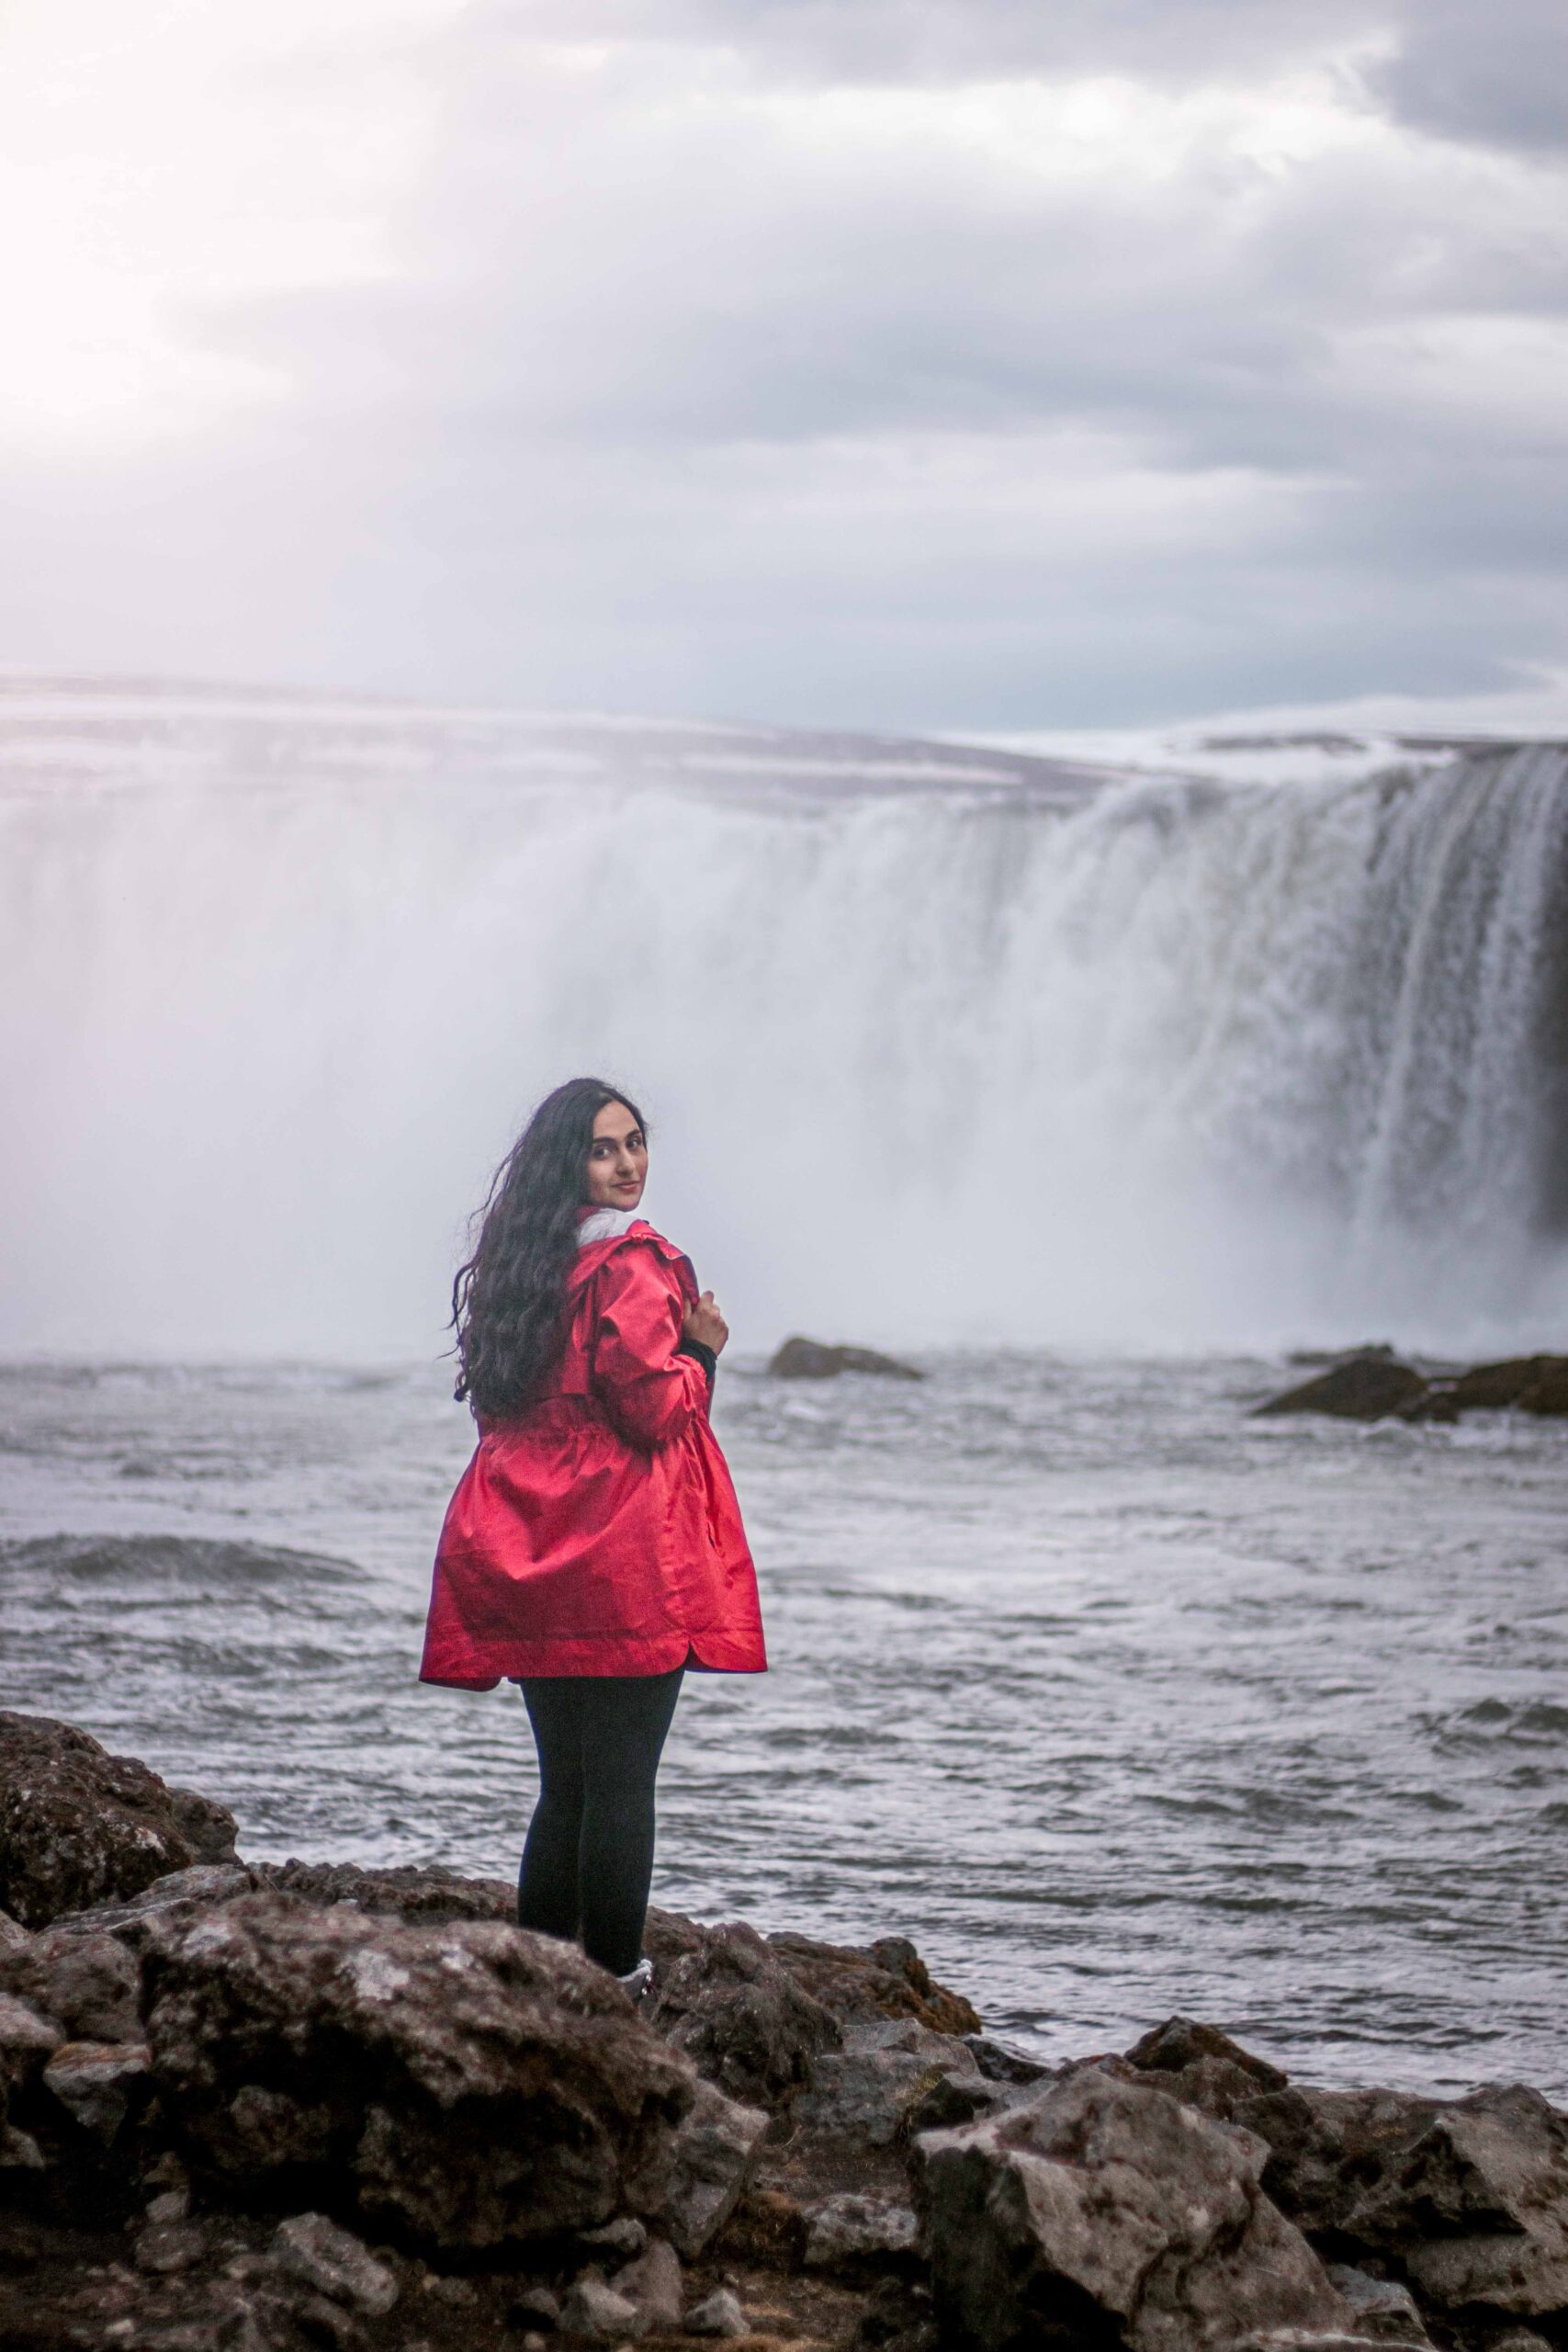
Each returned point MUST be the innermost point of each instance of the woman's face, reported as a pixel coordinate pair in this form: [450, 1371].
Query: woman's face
[617, 1159]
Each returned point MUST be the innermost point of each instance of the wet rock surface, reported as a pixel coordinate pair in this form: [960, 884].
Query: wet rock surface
[464, 2082]
[305, 2106]
[79, 1826]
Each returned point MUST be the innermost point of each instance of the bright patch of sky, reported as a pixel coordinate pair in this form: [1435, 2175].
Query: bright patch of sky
[947, 364]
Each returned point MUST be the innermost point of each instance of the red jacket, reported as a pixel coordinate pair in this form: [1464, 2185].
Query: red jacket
[598, 1532]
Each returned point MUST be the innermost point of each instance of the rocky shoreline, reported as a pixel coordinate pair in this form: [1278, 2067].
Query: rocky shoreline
[260, 2106]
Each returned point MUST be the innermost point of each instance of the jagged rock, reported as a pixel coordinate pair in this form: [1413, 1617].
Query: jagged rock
[182, 1895]
[535, 2304]
[87, 1982]
[798, 1359]
[1001, 2063]
[13, 1935]
[208, 1827]
[847, 2232]
[28, 2041]
[166, 2248]
[624, 2237]
[19, 2152]
[652, 2286]
[1477, 2207]
[1533, 1384]
[1099, 2202]
[873, 2088]
[467, 2082]
[1384, 2309]
[1326, 2146]
[594, 2311]
[169, 2205]
[887, 1979]
[410, 1893]
[698, 2179]
[335, 2262]
[96, 2082]
[78, 1825]
[725, 1998]
[1364, 1387]
[1202, 2067]
[718, 2314]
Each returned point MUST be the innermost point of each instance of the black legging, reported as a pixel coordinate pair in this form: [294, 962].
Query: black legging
[589, 1856]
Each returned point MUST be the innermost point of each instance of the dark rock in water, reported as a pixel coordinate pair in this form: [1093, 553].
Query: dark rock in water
[467, 2082]
[1358, 1388]
[1102, 2209]
[724, 1997]
[799, 1358]
[1379, 1348]
[80, 1827]
[860, 1984]
[1529, 1383]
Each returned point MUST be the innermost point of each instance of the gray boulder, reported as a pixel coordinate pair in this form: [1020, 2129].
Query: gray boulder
[1099, 2203]
[1327, 2147]
[849, 2231]
[97, 2081]
[698, 2175]
[411, 1892]
[595, 2313]
[860, 1983]
[652, 2286]
[724, 1997]
[1477, 2206]
[335, 2262]
[718, 2314]
[1386, 2309]
[889, 2079]
[467, 2082]
[80, 1827]
[86, 1981]
[28, 2041]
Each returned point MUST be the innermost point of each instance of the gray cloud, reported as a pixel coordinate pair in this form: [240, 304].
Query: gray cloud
[713, 376]
[1495, 76]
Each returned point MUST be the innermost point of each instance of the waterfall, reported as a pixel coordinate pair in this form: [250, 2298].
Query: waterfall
[934, 1045]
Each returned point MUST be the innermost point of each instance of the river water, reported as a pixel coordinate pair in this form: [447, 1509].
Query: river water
[1117, 1702]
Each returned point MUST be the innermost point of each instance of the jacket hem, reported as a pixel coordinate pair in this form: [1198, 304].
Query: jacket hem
[491, 1662]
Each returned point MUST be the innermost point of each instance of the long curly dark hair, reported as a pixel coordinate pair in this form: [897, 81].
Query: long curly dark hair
[507, 1299]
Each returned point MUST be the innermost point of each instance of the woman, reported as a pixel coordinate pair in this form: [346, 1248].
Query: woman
[593, 1548]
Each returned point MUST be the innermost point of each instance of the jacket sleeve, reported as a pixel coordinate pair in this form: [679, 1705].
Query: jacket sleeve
[649, 1391]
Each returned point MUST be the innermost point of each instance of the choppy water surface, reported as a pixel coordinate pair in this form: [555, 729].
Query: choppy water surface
[1116, 1702]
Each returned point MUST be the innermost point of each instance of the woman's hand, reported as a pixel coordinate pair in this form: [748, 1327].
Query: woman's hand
[704, 1324]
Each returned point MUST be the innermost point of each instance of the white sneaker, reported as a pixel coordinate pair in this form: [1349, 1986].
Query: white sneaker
[637, 1982]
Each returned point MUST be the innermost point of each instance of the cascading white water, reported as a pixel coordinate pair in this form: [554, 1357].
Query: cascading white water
[933, 1047]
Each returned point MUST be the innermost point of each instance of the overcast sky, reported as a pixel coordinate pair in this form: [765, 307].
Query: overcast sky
[900, 363]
